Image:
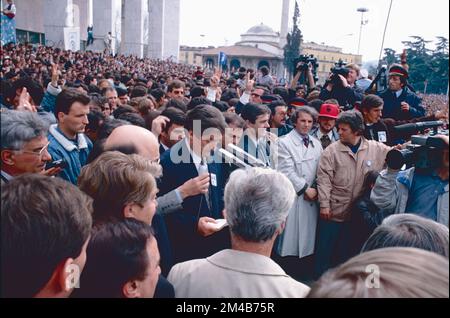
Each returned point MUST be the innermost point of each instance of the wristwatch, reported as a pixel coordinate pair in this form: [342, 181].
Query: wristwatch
[299, 193]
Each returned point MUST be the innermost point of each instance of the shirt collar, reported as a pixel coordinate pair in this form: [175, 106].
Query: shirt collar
[165, 147]
[398, 93]
[66, 143]
[302, 136]
[6, 176]
[320, 134]
[246, 262]
[195, 158]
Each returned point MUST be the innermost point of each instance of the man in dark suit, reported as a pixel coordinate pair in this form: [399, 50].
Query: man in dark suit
[191, 229]
[173, 130]
[255, 140]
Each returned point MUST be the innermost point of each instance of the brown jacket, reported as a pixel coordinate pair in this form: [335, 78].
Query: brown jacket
[341, 173]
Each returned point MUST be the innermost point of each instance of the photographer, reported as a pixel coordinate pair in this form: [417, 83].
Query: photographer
[265, 79]
[307, 70]
[419, 191]
[341, 86]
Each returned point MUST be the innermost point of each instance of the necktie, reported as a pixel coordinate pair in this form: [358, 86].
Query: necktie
[306, 141]
[325, 141]
[203, 169]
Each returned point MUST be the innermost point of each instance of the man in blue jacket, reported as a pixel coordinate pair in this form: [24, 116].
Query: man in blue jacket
[67, 138]
[400, 103]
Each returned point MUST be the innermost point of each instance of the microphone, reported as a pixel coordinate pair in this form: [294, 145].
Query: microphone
[245, 156]
[410, 129]
[230, 158]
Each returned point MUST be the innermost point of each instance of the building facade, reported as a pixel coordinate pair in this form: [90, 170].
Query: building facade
[191, 55]
[145, 28]
[262, 46]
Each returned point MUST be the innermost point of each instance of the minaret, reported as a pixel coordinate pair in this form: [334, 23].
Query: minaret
[284, 22]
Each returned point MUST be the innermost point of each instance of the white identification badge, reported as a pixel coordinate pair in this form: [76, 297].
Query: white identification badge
[382, 136]
[213, 180]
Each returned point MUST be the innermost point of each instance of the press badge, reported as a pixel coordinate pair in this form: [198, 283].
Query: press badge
[382, 136]
[213, 180]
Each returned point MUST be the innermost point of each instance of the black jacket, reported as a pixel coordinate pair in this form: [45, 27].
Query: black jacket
[392, 105]
[378, 132]
[345, 96]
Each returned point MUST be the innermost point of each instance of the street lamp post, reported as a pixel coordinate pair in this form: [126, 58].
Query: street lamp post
[363, 22]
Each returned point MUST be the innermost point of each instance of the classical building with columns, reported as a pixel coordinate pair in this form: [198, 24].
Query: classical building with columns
[146, 28]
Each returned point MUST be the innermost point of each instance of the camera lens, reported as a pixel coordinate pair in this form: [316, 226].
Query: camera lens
[395, 159]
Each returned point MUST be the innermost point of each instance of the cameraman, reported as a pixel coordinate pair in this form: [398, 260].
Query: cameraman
[302, 68]
[415, 191]
[345, 92]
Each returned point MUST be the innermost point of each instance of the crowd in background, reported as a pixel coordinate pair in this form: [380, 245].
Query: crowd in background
[92, 152]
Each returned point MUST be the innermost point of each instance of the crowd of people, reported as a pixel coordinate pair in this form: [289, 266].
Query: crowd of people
[138, 178]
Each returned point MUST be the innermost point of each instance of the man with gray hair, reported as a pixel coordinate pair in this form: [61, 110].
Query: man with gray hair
[24, 145]
[256, 215]
[410, 230]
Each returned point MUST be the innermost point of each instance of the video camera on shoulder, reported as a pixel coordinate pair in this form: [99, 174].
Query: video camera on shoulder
[304, 61]
[380, 83]
[339, 69]
[425, 152]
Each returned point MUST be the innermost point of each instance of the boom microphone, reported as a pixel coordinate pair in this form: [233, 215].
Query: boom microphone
[413, 128]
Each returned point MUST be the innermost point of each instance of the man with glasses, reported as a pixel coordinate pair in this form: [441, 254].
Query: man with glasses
[24, 145]
[278, 118]
[176, 90]
[251, 94]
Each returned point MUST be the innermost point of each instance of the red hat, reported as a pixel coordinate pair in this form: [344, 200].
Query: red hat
[298, 102]
[397, 70]
[267, 99]
[329, 111]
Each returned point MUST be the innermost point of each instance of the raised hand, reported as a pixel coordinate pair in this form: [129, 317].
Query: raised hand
[24, 102]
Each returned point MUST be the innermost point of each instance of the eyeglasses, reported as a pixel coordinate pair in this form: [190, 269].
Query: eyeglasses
[38, 153]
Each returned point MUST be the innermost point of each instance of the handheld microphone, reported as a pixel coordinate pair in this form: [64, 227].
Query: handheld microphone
[230, 158]
[245, 156]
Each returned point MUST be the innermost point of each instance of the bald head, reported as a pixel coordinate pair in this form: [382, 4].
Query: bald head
[143, 140]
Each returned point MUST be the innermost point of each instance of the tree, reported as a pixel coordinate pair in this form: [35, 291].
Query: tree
[419, 59]
[439, 64]
[294, 39]
[390, 57]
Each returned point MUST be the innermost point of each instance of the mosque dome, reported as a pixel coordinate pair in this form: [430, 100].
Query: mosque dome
[261, 29]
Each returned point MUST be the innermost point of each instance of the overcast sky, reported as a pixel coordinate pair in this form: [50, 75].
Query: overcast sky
[334, 22]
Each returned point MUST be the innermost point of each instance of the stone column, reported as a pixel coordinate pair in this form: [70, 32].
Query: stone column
[172, 30]
[107, 16]
[81, 17]
[134, 23]
[59, 24]
[156, 28]
[284, 23]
